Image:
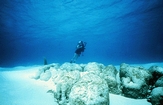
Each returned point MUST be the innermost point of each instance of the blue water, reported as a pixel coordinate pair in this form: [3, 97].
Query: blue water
[116, 31]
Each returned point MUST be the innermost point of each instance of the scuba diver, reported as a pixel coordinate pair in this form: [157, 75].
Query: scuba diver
[79, 49]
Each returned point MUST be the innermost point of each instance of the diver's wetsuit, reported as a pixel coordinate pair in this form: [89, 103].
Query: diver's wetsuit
[80, 49]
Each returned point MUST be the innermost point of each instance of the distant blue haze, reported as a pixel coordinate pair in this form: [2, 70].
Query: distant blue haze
[116, 31]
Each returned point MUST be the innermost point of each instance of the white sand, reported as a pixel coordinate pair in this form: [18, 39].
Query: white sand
[18, 88]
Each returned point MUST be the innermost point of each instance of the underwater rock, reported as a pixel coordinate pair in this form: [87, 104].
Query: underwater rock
[40, 71]
[71, 67]
[156, 96]
[64, 80]
[44, 73]
[45, 76]
[89, 90]
[159, 82]
[109, 74]
[94, 67]
[157, 72]
[135, 81]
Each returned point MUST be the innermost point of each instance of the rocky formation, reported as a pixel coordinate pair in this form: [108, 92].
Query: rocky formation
[109, 73]
[64, 80]
[156, 72]
[156, 96]
[71, 67]
[94, 67]
[90, 90]
[156, 83]
[159, 82]
[90, 84]
[134, 80]
[44, 73]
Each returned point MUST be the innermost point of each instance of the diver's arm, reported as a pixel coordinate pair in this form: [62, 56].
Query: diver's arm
[79, 46]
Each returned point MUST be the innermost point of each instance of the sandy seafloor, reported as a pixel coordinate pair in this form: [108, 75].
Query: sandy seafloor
[18, 88]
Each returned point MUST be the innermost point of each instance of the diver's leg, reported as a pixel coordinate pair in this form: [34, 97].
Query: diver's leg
[76, 57]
